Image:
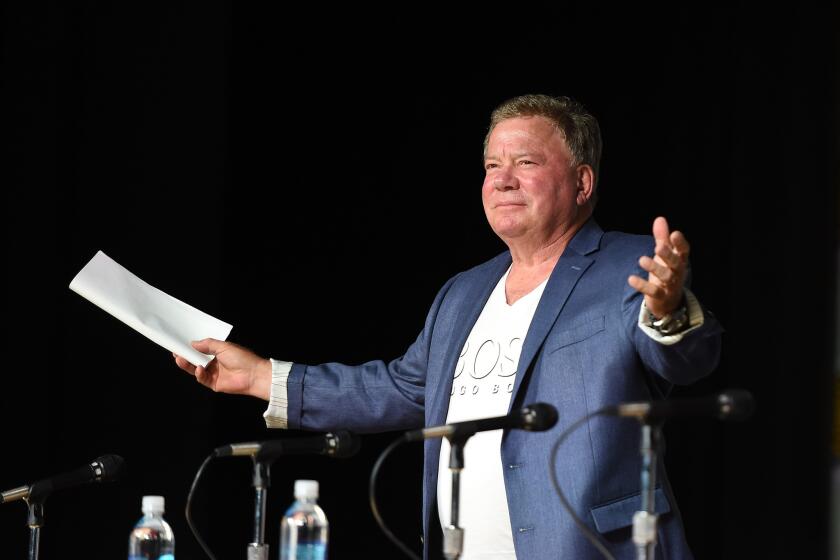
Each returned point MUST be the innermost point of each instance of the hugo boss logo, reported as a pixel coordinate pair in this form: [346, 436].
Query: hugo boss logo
[489, 357]
[475, 389]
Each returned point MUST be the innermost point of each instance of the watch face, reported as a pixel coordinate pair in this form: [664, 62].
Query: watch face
[670, 329]
[671, 323]
[664, 322]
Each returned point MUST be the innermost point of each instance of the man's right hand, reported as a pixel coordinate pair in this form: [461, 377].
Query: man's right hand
[235, 370]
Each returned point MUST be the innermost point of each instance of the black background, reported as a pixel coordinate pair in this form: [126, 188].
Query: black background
[284, 169]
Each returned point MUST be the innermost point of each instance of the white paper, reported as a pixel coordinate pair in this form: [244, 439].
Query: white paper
[160, 317]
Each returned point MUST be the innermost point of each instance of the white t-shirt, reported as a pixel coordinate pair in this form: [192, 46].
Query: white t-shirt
[482, 388]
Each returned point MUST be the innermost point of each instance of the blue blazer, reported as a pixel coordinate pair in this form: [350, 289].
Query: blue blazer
[584, 350]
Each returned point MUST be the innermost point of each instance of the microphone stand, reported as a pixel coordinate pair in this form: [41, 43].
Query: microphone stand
[453, 536]
[35, 520]
[258, 550]
[644, 521]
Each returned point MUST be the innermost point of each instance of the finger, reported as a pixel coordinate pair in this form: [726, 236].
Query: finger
[203, 376]
[647, 288]
[680, 244]
[661, 272]
[184, 365]
[669, 258]
[209, 346]
[661, 233]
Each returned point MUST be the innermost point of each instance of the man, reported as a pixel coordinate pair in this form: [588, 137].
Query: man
[565, 317]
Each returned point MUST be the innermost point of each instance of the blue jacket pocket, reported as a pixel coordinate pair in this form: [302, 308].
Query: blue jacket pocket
[578, 333]
[619, 513]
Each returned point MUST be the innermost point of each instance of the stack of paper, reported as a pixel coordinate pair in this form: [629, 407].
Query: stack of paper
[151, 312]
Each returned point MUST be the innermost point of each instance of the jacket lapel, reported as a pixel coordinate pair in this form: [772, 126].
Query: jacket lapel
[566, 274]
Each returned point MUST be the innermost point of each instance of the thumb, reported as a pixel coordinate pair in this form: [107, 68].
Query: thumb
[209, 346]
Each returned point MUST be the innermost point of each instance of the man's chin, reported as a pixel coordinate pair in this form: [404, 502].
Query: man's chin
[507, 230]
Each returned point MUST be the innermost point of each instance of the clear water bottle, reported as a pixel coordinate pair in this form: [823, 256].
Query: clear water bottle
[304, 528]
[152, 537]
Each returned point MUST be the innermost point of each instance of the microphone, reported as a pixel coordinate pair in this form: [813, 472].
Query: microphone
[733, 404]
[535, 417]
[101, 469]
[340, 444]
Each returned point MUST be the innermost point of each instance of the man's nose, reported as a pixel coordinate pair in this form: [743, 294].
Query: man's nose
[505, 180]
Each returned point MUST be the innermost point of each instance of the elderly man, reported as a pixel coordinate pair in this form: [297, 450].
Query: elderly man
[569, 315]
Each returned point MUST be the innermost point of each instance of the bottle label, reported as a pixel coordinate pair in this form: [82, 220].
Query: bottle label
[313, 551]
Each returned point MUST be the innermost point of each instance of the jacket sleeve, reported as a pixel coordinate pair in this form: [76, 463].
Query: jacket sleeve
[375, 396]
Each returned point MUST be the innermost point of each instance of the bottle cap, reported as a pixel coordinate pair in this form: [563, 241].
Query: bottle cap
[153, 504]
[306, 489]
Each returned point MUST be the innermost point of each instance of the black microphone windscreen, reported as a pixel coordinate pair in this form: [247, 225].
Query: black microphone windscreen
[736, 404]
[539, 417]
[101, 469]
[347, 444]
[113, 467]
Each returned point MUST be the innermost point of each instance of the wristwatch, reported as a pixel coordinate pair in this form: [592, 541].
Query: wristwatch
[672, 323]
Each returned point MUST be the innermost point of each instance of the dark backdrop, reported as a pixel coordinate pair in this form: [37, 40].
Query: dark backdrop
[283, 169]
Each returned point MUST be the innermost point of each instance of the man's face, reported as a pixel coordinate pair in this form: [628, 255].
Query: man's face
[531, 192]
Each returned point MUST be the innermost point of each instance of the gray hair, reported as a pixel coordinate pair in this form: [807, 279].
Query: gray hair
[579, 128]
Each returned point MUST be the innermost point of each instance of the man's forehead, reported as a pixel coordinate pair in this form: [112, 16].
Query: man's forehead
[524, 134]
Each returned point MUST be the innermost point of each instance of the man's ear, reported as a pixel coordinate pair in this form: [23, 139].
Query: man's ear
[585, 184]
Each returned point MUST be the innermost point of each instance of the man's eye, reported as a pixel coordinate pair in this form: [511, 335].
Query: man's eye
[491, 165]
[526, 162]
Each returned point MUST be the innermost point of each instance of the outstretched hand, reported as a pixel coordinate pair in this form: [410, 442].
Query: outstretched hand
[663, 289]
[234, 370]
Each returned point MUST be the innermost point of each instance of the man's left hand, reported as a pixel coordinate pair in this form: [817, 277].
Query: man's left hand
[663, 289]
